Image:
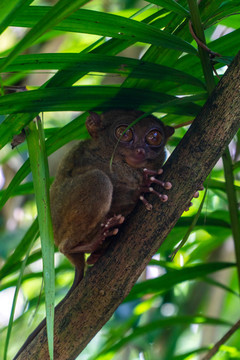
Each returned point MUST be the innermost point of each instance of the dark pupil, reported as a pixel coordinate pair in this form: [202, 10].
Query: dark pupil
[124, 135]
[154, 137]
[127, 134]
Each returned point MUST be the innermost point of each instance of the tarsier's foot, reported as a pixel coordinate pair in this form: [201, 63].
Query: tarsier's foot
[108, 228]
[149, 179]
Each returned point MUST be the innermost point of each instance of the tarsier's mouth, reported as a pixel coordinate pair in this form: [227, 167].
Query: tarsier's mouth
[137, 157]
[136, 162]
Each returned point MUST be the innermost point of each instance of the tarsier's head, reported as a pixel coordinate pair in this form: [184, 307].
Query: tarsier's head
[140, 139]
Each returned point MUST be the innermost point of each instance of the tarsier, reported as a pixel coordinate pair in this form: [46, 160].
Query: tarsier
[100, 181]
[91, 196]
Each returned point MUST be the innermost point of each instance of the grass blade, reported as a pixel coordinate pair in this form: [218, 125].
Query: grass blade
[20, 250]
[173, 277]
[69, 132]
[157, 325]
[9, 10]
[99, 23]
[233, 206]
[102, 63]
[15, 298]
[39, 167]
[172, 5]
[53, 16]
[84, 98]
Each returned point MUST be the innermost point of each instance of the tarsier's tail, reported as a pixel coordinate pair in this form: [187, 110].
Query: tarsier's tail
[78, 260]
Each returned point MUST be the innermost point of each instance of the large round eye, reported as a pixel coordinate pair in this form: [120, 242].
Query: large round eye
[126, 136]
[154, 138]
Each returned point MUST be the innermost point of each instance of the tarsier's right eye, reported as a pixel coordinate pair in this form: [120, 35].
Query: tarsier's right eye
[126, 136]
[154, 137]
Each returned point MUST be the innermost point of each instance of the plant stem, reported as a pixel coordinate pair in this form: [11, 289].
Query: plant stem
[227, 162]
[233, 206]
[203, 54]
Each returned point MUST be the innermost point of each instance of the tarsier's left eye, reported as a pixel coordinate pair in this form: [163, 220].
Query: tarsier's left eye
[124, 135]
[154, 138]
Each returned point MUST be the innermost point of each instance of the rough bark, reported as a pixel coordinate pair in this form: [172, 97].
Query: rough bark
[106, 284]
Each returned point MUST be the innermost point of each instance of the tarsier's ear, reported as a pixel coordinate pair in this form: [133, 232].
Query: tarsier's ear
[93, 124]
[169, 130]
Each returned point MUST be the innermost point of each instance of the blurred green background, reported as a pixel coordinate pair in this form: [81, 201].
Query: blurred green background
[131, 54]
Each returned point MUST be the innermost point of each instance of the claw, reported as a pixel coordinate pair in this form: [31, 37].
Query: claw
[146, 203]
[196, 194]
[166, 185]
[111, 233]
[188, 206]
[113, 221]
[163, 197]
[152, 172]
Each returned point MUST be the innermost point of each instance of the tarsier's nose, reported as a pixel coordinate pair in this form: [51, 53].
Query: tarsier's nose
[140, 152]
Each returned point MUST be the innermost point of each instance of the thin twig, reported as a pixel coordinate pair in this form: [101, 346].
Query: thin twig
[183, 124]
[222, 341]
[201, 44]
[215, 72]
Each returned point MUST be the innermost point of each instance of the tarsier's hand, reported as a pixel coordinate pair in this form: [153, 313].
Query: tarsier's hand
[149, 179]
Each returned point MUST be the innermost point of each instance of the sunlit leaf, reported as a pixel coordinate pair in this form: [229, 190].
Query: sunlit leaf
[171, 5]
[9, 10]
[52, 16]
[99, 23]
[101, 63]
[39, 168]
[167, 281]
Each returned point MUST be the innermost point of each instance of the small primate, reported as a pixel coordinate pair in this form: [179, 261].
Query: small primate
[100, 181]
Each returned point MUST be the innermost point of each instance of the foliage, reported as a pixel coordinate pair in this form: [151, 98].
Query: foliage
[94, 56]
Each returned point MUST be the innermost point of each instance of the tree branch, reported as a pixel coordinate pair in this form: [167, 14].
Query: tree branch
[106, 284]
